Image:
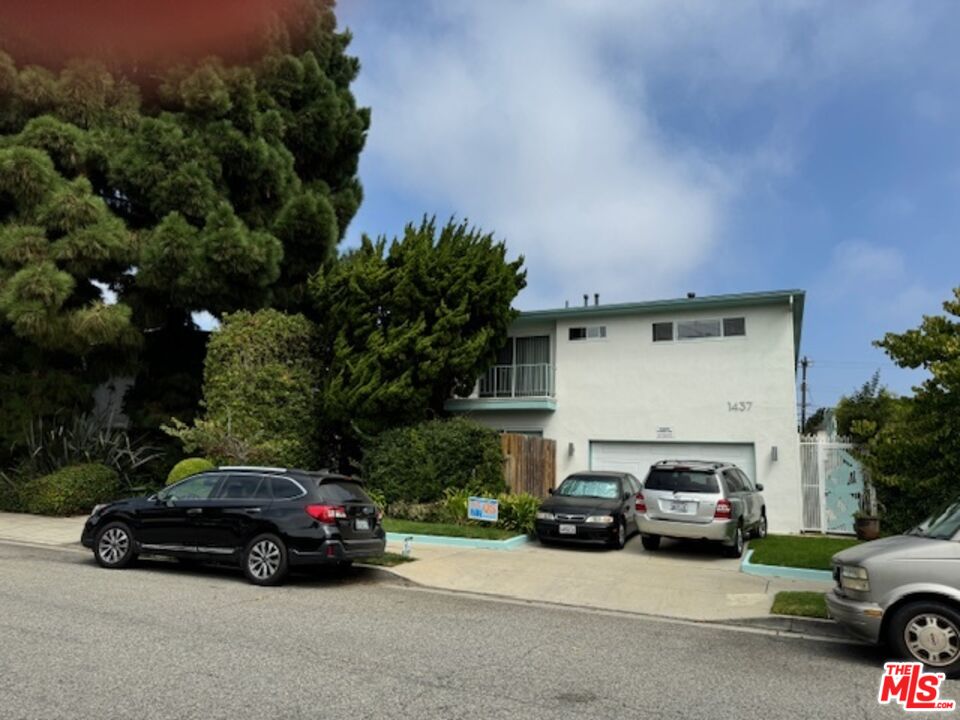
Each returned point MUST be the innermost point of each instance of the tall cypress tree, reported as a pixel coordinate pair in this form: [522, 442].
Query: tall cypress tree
[212, 184]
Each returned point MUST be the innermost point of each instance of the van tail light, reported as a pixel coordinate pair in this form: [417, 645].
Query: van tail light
[641, 503]
[724, 511]
[327, 514]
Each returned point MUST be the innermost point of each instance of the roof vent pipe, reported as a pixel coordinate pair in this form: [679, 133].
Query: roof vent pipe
[566, 303]
[596, 298]
[691, 295]
[586, 299]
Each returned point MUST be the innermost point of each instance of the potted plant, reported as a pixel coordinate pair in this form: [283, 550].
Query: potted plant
[866, 520]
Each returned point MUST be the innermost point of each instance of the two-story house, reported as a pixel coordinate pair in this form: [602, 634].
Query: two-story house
[619, 387]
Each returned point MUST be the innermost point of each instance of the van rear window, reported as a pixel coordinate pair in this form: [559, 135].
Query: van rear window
[682, 481]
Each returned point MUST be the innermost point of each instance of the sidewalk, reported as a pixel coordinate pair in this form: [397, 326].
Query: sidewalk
[686, 581]
[38, 530]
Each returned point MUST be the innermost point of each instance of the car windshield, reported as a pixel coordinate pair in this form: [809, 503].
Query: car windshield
[587, 486]
[677, 480]
[940, 527]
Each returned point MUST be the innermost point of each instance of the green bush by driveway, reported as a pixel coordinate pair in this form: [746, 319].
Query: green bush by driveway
[800, 551]
[73, 490]
[419, 463]
[188, 467]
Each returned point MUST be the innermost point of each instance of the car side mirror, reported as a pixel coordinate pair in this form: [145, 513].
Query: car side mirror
[759, 487]
[550, 490]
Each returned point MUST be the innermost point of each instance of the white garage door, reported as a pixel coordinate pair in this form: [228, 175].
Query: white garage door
[637, 457]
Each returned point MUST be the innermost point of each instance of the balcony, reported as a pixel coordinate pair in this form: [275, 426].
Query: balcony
[512, 387]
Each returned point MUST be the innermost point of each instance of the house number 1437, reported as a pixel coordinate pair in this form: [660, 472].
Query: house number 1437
[742, 406]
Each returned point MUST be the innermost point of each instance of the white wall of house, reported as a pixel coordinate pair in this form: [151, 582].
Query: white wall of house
[714, 394]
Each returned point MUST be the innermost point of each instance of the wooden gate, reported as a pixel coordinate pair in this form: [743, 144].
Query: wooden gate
[529, 464]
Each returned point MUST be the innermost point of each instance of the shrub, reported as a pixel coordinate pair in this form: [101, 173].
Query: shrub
[72, 490]
[188, 467]
[55, 443]
[418, 463]
[259, 389]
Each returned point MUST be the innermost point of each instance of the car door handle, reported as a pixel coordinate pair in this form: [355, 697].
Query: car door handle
[252, 510]
[194, 511]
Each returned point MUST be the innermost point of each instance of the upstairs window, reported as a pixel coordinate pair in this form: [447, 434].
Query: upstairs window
[663, 332]
[695, 329]
[591, 332]
[699, 329]
[734, 326]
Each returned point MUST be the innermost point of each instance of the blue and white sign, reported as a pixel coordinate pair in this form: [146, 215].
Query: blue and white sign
[485, 509]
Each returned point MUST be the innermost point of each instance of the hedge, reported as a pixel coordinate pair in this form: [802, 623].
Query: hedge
[186, 468]
[72, 490]
[419, 463]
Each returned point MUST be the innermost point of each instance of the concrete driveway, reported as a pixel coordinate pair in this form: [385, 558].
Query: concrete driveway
[682, 580]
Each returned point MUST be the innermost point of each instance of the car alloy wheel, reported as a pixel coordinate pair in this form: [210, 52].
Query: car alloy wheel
[114, 545]
[264, 559]
[762, 527]
[932, 639]
[738, 541]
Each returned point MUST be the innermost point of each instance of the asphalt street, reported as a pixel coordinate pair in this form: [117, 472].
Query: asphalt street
[162, 641]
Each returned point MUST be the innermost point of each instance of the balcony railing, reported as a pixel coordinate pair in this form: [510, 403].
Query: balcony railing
[517, 381]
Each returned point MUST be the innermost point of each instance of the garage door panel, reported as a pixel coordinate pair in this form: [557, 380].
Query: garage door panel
[637, 457]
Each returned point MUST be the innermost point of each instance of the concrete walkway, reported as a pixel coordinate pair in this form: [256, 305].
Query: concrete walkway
[689, 581]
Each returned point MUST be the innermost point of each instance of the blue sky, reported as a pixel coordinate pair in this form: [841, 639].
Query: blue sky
[644, 149]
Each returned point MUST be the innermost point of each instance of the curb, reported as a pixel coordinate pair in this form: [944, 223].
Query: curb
[446, 540]
[780, 571]
[813, 627]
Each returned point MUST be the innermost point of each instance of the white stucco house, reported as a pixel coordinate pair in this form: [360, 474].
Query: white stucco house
[619, 387]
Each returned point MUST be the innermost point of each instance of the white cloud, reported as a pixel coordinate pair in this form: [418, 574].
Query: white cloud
[535, 121]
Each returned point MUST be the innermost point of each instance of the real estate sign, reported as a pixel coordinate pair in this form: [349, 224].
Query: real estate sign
[485, 509]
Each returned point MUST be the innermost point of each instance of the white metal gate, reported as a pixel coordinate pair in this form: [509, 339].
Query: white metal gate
[831, 482]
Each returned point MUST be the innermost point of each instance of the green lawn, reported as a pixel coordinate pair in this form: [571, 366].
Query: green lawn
[800, 551]
[388, 559]
[804, 604]
[468, 531]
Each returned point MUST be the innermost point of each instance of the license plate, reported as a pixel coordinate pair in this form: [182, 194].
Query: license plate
[680, 507]
[568, 529]
[362, 524]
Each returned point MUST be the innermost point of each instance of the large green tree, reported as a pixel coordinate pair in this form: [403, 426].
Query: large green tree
[205, 185]
[405, 325]
[915, 453]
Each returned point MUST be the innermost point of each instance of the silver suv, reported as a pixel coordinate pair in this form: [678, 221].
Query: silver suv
[905, 591]
[700, 500]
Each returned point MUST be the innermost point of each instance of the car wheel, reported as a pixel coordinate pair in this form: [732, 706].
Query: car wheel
[760, 531]
[928, 632]
[114, 546]
[265, 560]
[650, 542]
[736, 549]
[620, 539]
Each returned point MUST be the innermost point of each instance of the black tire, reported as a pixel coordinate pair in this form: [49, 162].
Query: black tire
[114, 547]
[650, 542]
[620, 539]
[265, 560]
[940, 630]
[736, 549]
[760, 531]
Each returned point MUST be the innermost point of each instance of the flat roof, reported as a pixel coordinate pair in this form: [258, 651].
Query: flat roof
[793, 298]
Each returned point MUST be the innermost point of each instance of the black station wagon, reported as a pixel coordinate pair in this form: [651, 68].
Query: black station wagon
[263, 519]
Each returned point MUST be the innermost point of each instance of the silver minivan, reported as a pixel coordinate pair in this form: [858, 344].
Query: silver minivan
[700, 500]
[905, 591]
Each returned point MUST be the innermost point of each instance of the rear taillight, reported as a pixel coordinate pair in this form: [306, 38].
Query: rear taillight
[724, 511]
[328, 514]
[641, 503]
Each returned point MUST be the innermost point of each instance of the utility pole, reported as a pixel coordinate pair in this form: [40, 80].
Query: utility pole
[804, 364]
